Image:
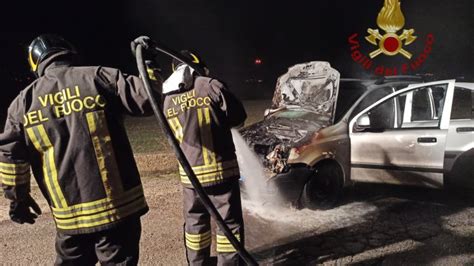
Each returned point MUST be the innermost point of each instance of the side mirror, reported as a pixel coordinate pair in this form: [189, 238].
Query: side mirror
[363, 121]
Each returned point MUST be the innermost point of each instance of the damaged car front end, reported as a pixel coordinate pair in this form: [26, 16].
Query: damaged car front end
[303, 105]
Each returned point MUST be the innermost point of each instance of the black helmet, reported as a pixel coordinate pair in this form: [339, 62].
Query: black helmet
[44, 46]
[194, 58]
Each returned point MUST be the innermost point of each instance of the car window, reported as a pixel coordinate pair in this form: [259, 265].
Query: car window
[383, 116]
[349, 92]
[438, 94]
[371, 98]
[463, 104]
[412, 109]
[421, 106]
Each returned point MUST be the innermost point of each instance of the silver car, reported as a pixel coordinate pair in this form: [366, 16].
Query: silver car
[398, 131]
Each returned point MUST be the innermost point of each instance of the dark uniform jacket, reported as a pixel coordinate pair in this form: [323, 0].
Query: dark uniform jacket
[201, 119]
[68, 126]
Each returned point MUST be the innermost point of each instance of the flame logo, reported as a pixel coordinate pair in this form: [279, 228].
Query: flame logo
[391, 18]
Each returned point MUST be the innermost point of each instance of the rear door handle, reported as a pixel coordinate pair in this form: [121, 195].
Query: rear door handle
[464, 129]
[427, 140]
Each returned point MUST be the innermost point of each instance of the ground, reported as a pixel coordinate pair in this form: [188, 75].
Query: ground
[374, 225]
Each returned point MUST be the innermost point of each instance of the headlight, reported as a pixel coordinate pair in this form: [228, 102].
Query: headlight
[294, 154]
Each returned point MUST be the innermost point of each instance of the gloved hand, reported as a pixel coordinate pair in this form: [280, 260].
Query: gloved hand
[154, 70]
[147, 44]
[20, 210]
[151, 64]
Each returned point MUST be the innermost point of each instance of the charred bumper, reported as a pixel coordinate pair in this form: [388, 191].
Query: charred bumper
[290, 184]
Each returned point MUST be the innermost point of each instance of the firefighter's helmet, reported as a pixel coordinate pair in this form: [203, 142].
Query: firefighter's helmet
[194, 58]
[45, 46]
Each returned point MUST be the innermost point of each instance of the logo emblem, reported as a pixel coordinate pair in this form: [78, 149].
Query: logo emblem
[391, 20]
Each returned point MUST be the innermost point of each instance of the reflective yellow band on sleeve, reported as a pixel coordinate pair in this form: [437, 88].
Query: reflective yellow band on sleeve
[14, 169]
[198, 241]
[12, 174]
[13, 180]
[104, 153]
[43, 144]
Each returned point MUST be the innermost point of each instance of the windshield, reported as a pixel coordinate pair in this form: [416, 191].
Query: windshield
[301, 114]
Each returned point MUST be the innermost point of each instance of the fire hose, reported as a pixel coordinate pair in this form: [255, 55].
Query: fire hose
[157, 110]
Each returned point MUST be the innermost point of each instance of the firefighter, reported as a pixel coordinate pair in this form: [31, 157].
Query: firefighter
[68, 127]
[201, 111]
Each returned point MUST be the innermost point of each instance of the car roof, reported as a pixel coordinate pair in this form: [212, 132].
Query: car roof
[372, 84]
[467, 85]
[386, 80]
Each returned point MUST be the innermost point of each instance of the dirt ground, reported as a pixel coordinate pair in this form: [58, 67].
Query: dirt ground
[374, 225]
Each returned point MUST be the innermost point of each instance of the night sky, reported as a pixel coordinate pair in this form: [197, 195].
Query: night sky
[230, 35]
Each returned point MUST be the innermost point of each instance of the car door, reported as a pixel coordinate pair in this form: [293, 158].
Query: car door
[459, 153]
[401, 138]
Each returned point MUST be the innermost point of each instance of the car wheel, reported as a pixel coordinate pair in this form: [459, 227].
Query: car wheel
[324, 189]
[460, 179]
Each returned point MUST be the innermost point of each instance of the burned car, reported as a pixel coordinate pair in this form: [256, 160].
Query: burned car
[322, 133]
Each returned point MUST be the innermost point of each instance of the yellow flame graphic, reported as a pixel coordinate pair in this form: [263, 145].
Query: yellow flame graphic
[391, 18]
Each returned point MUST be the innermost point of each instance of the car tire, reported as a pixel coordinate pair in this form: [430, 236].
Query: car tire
[461, 177]
[324, 189]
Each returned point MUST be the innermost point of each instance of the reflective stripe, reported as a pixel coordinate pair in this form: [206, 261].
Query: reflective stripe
[104, 153]
[177, 128]
[224, 245]
[14, 169]
[208, 137]
[198, 241]
[33, 64]
[44, 146]
[105, 217]
[227, 173]
[13, 180]
[93, 207]
[212, 173]
[15, 174]
[207, 145]
[212, 178]
[151, 74]
[203, 169]
[205, 150]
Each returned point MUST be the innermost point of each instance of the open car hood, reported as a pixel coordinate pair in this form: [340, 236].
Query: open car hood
[284, 129]
[312, 86]
[286, 126]
[304, 102]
